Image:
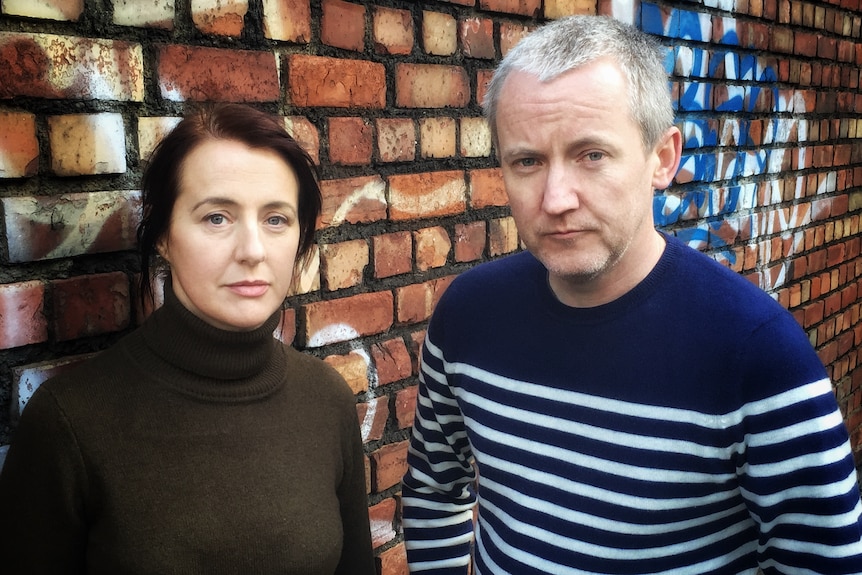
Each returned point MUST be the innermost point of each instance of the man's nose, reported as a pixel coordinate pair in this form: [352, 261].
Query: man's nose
[560, 192]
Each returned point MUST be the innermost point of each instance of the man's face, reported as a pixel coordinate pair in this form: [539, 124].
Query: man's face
[579, 182]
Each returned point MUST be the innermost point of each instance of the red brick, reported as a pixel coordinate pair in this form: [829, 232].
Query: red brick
[343, 25]
[502, 236]
[520, 7]
[351, 141]
[396, 139]
[431, 86]
[353, 367]
[288, 20]
[487, 188]
[391, 360]
[333, 321]
[781, 40]
[19, 148]
[193, 73]
[393, 31]
[813, 314]
[373, 415]
[352, 200]
[417, 338]
[405, 406]
[382, 518]
[414, 302]
[393, 561]
[432, 246]
[477, 38]
[286, 330]
[22, 313]
[90, 305]
[469, 241]
[219, 18]
[482, 79]
[346, 84]
[426, 195]
[393, 254]
[388, 465]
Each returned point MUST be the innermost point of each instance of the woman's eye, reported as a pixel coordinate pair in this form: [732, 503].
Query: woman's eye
[215, 219]
[276, 220]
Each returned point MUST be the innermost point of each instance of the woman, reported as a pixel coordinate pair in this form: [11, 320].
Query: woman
[199, 443]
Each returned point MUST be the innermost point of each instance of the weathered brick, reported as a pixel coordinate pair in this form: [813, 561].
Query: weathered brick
[388, 465]
[415, 302]
[417, 338]
[353, 200]
[393, 31]
[560, 8]
[286, 330]
[405, 406]
[288, 20]
[521, 7]
[346, 84]
[511, 34]
[343, 25]
[196, 73]
[503, 236]
[437, 137]
[307, 278]
[145, 13]
[396, 139]
[391, 361]
[475, 138]
[431, 86]
[373, 415]
[151, 130]
[469, 241]
[90, 305]
[26, 379]
[426, 195]
[487, 188]
[306, 135]
[382, 518]
[219, 17]
[439, 33]
[393, 254]
[64, 10]
[344, 263]
[22, 314]
[333, 321]
[19, 148]
[393, 561]
[351, 141]
[52, 66]
[87, 144]
[353, 367]
[482, 79]
[477, 37]
[48, 227]
[432, 247]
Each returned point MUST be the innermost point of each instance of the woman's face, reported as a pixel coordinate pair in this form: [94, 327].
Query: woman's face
[233, 235]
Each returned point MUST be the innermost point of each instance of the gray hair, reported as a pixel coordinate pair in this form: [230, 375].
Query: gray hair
[571, 42]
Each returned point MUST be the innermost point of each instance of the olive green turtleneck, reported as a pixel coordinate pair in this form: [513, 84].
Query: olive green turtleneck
[188, 449]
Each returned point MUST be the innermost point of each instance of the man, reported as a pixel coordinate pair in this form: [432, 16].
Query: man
[621, 403]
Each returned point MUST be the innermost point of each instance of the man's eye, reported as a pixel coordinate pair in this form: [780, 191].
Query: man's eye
[215, 219]
[595, 156]
[527, 162]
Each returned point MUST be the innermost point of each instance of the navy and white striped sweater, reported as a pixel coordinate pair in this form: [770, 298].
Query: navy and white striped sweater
[685, 428]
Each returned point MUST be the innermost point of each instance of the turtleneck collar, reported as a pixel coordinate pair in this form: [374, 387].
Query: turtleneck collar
[212, 363]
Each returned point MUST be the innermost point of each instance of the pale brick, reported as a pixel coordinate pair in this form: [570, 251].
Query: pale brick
[307, 277]
[561, 8]
[503, 236]
[431, 86]
[151, 131]
[51, 66]
[372, 416]
[288, 20]
[487, 188]
[432, 247]
[521, 7]
[437, 137]
[90, 305]
[477, 38]
[145, 13]
[49, 227]
[396, 139]
[220, 17]
[511, 34]
[306, 135]
[475, 138]
[353, 367]
[26, 379]
[426, 195]
[64, 10]
[21, 310]
[439, 33]
[346, 84]
[338, 320]
[19, 148]
[393, 254]
[343, 25]
[391, 361]
[344, 263]
[393, 31]
[87, 144]
[353, 200]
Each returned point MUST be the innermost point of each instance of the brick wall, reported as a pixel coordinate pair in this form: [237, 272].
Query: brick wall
[770, 183]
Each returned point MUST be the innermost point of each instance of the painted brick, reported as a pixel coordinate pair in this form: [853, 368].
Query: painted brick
[353, 367]
[194, 73]
[396, 139]
[219, 17]
[388, 465]
[393, 31]
[477, 37]
[431, 86]
[288, 20]
[347, 83]
[437, 137]
[393, 254]
[487, 188]
[19, 148]
[286, 330]
[469, 241]
[87, 144]
[90, 305]
[52, 66]
[351, 141]
[151, 130]
[22, 312]
[343, 25]
[521, 7]
[560, 8]
[392, 361]
[49, 227]
[64, 10]
[306, 135]
[373, 416]
[439, 33]
[145, 13]
[432, 247]
[502, 236]
[344, 263]
[26, 379]
[333, 321]
[393, 561]
[382, 518]
[353, 200]
[475, 138]
[405, 406]
[426, 195]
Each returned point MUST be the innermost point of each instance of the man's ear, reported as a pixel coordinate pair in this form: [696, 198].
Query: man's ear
[669, 152]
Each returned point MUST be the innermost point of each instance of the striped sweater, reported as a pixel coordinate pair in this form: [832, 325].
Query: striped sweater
[686, 428]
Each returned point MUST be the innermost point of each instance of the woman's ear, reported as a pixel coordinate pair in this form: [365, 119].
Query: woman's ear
[669, 152]
[162, 249]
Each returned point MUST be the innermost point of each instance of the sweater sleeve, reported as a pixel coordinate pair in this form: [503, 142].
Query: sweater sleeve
[42, 490]
[438, 488]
